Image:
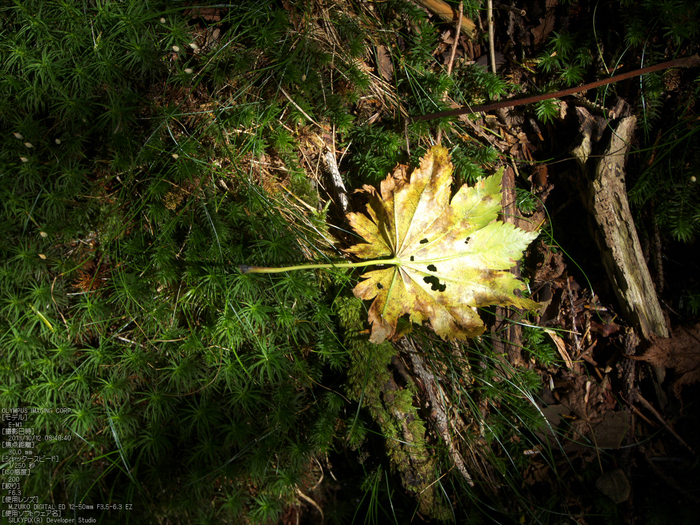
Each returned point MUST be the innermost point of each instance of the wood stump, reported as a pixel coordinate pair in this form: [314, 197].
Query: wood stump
[605, 197]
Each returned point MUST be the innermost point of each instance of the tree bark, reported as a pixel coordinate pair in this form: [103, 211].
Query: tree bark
[605, 197]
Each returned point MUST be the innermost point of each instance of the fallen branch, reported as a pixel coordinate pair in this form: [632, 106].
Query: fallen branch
[692, 61]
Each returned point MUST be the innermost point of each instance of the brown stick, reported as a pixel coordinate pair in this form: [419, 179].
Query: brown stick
[515, 10]
[448, 14]
[691, 61]
[438, 139]
[492, 36]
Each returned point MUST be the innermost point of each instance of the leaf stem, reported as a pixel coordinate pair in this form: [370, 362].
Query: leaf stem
[262, 269]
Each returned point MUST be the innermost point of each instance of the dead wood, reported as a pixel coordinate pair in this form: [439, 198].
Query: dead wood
[692, 61]
[510, 342]
[605, 196]
[438, 408]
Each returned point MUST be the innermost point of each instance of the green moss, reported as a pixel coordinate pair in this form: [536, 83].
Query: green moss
[371, 383]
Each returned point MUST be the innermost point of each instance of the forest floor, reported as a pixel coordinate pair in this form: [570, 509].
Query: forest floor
[622, 397]
[200, 141]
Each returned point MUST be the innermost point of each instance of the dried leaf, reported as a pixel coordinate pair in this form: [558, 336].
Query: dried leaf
[611, 431]
[384, 65]
[444, 259]
[615, 485]
[561, 347]
[547, 23]
[680, 352]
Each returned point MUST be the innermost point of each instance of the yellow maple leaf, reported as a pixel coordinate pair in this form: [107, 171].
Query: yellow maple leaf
[444, 258]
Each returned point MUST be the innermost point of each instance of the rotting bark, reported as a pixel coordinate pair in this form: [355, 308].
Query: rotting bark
[378, 381]
[337, 180]
[438, 410]
[507, 336]
[605, 196]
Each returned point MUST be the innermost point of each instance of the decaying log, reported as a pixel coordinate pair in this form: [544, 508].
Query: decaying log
[439, 410]
[510, 340]
[605, 197]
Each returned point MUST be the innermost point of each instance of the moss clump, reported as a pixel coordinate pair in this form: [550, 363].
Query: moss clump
[371, 382]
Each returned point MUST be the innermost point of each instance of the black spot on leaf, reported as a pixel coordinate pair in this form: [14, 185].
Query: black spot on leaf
[435, 284]
[380, 285]
[411, 258]
[432, 268]
[466, 241]
[424, 241]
